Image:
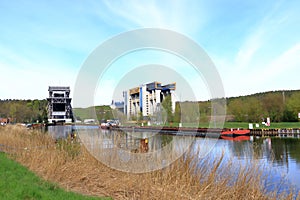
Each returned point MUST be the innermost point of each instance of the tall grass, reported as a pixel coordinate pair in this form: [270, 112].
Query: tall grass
[19, 183]
[71, 166]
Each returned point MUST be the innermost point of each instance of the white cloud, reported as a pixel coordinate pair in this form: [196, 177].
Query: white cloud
[175, 15]
[143, 15]
[259, 36]
[279, 73]
[51, 49]
[262, 63]
[288, 61]
[247, 51]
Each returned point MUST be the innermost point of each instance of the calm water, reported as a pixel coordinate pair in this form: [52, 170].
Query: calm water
[279, 156]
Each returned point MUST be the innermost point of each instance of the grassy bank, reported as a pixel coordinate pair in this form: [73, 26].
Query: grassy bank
[73, 168]
[17, 182]
[281, 125]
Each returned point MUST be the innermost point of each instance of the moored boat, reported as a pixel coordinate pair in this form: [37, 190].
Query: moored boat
[237, 138]
[108, 124]
[235, 132]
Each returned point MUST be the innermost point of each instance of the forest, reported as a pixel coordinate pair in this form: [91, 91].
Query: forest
[24, 111]
[280, 106]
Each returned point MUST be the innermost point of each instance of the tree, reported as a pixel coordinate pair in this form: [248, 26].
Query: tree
[4, 109]
[236, 108]
[253, 108]
[292, 107]
[24, 110]
[177, 114]
[167, 105]
[189, 112]
[140, 116]
[273, 106]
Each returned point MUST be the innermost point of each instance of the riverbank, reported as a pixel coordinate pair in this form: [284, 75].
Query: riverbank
[211, 132]
[244, 125]
[17, 182]
[68, 164]
[202, 127]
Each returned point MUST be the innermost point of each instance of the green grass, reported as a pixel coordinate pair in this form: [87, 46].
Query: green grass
[17, 182]
[244, 125]
[261, 126]
[102, 112]
[226, 125]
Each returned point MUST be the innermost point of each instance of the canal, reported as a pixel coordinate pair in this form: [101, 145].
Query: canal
[279, 158]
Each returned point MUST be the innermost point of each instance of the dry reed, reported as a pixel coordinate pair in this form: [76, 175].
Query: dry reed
[73, 168]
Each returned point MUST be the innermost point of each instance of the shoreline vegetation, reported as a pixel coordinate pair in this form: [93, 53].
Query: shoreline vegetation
[280, 106]
[17, 182]
[69, 165]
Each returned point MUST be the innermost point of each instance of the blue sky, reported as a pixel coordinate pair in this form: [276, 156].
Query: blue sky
[255, 45]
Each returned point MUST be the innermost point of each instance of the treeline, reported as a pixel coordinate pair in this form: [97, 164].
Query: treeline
[31, 111]
[280, 106]
[24, 111]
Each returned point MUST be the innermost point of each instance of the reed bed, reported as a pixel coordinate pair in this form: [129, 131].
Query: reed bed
[70, 165]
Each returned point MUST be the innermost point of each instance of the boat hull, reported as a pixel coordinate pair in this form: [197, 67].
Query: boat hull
[235, 133]
[236, 138]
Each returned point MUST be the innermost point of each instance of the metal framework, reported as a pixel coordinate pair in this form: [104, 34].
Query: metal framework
[59, 104]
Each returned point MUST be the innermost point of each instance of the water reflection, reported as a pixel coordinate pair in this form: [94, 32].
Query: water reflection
[281, 151]
[133, 151]
[60, 131]
[280, 155]
[284, 156]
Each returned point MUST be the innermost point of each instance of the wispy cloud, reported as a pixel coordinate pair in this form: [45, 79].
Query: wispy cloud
[248, 50]
[287, 62]
[175, 15]
[266, 57]
[260, 35]
[46, 43]
[276, 74]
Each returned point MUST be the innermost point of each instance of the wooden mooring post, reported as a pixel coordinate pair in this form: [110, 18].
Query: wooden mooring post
[293, 132]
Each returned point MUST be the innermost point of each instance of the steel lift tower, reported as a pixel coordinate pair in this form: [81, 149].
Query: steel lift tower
[59, 105]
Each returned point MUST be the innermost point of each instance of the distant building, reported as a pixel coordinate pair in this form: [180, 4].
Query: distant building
[4, 121]
[147, 98]
[59, 104]
[117, 105]
[89, 121]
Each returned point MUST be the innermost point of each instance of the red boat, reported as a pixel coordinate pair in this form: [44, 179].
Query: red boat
[237, 138]
[236, 132]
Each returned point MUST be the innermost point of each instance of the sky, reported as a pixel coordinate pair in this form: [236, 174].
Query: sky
[254, 45]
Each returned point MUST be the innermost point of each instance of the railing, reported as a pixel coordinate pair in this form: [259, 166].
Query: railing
[59, 88]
